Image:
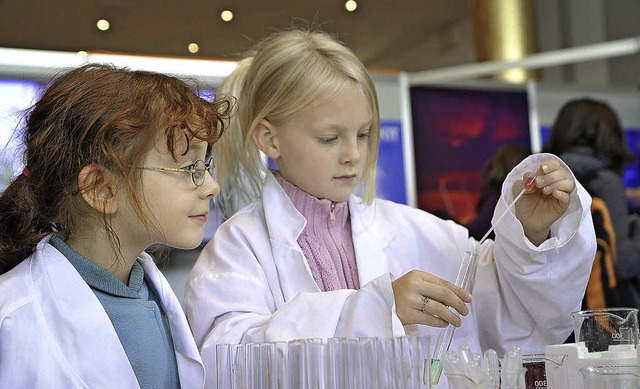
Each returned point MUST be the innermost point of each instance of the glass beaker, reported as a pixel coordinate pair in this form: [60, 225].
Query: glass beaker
[611, 377]
[602, 329]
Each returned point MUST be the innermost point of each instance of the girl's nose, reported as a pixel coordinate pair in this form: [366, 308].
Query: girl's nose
[210, 186]
[351, 154]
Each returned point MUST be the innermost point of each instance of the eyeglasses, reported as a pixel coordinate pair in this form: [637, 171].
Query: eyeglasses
[197, 170]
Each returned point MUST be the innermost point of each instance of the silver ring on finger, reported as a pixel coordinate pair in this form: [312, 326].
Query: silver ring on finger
[425, 301]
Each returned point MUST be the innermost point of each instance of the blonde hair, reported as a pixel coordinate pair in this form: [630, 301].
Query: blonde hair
[289, 71]
[232, 156]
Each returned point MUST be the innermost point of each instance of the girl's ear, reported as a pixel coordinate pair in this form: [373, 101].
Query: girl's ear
[96, 185]
[265, 138]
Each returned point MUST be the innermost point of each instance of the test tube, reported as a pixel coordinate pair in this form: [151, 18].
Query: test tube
[492, 367]
[464, 280]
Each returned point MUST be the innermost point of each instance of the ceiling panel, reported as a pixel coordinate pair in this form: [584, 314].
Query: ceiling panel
[402, 34]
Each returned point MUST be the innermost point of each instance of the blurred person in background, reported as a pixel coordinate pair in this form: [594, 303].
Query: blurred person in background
[589, 138]
[501, 163]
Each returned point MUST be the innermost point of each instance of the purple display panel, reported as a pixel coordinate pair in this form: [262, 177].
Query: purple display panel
[455, 132]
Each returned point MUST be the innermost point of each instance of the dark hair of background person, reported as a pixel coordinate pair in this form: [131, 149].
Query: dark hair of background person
[588, 137]
[503, 160]
[592, 123]
[95, 114]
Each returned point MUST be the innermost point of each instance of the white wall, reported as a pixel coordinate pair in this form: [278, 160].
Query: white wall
[625, 102]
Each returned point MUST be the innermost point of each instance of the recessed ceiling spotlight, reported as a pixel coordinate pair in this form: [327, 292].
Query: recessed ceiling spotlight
[351, 5]
[193, 48]
[103, 24]
[226, 15]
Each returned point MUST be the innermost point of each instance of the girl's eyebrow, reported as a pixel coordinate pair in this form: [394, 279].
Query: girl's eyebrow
[342, 127]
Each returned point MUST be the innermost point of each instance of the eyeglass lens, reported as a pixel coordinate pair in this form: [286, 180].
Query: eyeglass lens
[200, 167]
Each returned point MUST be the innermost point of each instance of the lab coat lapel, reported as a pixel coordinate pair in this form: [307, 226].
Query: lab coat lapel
[370, 238]
[77, 322]
[190, 367]
[285, 224]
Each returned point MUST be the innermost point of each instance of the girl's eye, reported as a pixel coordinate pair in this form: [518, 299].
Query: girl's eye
[327, 140]
[363, 135]
[189, 168]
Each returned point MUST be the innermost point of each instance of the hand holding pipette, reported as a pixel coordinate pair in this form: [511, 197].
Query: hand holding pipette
[545, 201]
[467, 271]
[548, 181]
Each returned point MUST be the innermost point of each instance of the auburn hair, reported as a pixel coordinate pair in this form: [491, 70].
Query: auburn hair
[95, 114]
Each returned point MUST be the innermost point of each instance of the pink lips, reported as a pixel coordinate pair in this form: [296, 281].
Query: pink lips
[201, 218]
[346, 178]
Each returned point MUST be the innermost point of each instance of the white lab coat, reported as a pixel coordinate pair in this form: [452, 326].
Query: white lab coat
[54, 333]
[252, 282]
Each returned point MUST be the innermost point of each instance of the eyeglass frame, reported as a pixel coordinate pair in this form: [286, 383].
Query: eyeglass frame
[190, 169]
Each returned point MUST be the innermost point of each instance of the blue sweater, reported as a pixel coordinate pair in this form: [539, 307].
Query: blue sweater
[139, 322]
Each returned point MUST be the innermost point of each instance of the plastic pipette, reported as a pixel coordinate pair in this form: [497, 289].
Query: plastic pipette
[465, 279]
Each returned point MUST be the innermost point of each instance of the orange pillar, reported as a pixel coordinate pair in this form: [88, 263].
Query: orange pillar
[505, 30]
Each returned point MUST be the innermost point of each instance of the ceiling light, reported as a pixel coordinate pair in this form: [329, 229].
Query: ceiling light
[103, 25]
[82, 54]
[193, 48]
[351, 5]
[226, 15]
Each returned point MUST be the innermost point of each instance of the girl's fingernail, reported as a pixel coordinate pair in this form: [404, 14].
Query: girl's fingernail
[545, 169]
[530, 182]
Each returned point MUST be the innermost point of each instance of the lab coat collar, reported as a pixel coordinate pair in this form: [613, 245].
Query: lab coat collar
[279, 211]
[77, 318]
[79, 325]
[285, 224]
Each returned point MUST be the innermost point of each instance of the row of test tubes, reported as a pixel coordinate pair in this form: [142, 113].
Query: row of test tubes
[389, 363]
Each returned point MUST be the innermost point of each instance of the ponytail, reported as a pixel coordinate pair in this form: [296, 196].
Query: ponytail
[239, 165]
[20, 227]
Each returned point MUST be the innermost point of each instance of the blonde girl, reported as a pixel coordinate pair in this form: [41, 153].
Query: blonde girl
[309, 259]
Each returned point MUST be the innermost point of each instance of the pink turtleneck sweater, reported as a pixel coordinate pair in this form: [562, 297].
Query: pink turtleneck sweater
[326, 239]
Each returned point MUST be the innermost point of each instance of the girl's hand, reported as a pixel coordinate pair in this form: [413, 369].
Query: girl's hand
[545, 201]
[422, 298]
